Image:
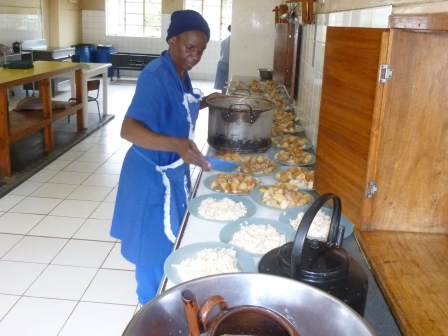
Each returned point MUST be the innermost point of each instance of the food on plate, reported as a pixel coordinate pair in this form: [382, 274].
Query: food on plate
[258, 239]
[208, 261]
[289, 141]
[279, 128]
[283, 196]
[281, 116]
[297, 156]
[224, 209]
[300, 177]
[234, 183]
[252, 164]
[319, 227]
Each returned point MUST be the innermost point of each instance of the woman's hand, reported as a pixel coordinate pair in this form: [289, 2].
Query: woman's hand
[190, 153]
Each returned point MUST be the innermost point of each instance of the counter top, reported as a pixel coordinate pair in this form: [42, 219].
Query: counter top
[412, 272]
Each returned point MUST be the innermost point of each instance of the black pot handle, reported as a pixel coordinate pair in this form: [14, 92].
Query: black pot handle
[304, 226]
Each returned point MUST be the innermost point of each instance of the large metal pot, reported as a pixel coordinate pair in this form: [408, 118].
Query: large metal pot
[310, 310]
[240, 124]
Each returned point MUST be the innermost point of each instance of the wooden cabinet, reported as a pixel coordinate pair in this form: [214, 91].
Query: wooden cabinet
[286, 53]
[383, 146]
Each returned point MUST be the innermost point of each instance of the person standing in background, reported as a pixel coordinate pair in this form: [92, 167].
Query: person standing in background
[155, 183]
[222, 71]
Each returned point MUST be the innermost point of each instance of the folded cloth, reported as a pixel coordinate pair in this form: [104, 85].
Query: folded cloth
[21, 64]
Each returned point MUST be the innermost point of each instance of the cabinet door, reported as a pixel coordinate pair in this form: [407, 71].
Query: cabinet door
[350, 97]
[412, 164]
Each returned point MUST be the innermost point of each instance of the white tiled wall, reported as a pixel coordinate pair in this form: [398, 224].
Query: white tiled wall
[312, 58]
[20, 27]
[94, 32]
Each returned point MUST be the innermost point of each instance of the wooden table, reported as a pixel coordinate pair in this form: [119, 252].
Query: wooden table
[17, 125]
[90, 70]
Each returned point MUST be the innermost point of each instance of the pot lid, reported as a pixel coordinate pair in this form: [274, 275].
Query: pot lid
[240, 103]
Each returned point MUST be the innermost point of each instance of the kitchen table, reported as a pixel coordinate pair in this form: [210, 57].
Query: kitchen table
[90, 70]
[17, 125]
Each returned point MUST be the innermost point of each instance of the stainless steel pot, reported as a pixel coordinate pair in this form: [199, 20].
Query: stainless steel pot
[310, 310]
[240, 124]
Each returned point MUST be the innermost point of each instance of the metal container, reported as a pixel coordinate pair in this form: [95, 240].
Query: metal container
[310, 310]
[240, 124]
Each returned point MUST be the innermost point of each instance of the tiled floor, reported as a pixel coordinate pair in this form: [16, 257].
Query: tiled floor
[60, 271]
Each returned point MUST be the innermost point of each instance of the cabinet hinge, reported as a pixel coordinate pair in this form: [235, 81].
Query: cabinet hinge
[371, 189]
[385, 73]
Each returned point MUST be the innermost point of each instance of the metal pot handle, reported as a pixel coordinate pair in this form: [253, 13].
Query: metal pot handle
[251, 113]
[234, 92]
[208, 306]
[305, 224]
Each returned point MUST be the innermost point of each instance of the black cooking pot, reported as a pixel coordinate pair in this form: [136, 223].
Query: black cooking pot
[16, 46]
[325, 265]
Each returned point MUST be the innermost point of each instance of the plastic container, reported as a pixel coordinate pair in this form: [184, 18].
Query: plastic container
[103, 52]
[87, 52]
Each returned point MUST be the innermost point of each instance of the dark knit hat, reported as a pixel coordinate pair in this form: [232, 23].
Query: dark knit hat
[185, 20]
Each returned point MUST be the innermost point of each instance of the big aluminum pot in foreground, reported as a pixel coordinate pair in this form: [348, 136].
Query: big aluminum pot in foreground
[240, 124]
[311, 311]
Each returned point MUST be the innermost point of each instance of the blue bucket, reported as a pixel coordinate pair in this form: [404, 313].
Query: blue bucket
[103, 56]
[87, 52]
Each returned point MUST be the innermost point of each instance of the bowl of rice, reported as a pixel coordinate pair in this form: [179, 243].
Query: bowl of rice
[321, 223]
[221, 207]
[257, 236]
[207, 258]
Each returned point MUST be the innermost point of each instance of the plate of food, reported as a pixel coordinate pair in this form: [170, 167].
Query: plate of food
[298, 176]
[257, 236]
[320, 225]
[257, 165]
[206, 258]
[284, 116]
[221, 207]
[291, 141]
[234, 184]
[280, 196]
[287, 157]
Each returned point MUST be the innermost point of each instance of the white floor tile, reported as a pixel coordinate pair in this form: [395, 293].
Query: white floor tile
[112, 196]
[6, 303]
[18, 223]
[36, 249]
[102, 180]
[58, 227]
[104, 211]
[70, 178]
[116, 261]
[104, 148]
[82, 147]
[26, 188]
[109, 168]
[37, 317]
[90, 193]
[95, 319]
[71, 155]
[112, 286]
[82, 167]
[95, 229]
[58, 164]
[54, 190]
[75, 208]
[116, 158]
[92, 140]
[113, 141]
[83, 253]
[8, 201]
[124, 149]
[36, 205]
[7, 242]
[16, 277]
[62, 282]
[43, 176]
[1, 213]
[94, 157]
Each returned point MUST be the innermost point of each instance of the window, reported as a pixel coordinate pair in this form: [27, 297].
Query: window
[134, 17]
[218, 14]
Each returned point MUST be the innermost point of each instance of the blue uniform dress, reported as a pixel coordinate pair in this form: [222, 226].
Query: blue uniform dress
[154, 186]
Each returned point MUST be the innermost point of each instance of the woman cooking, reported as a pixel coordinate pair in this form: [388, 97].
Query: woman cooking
[155, 181]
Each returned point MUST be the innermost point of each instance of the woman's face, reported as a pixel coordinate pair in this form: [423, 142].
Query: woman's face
[186, 49]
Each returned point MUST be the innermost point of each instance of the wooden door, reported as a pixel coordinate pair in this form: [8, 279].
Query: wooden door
[412, 164]
[350, 95]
